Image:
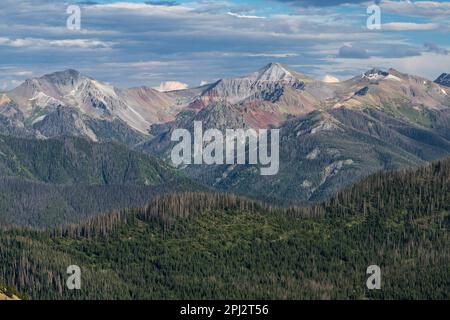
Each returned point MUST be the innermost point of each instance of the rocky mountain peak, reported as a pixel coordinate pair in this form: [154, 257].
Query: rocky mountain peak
[274, 72]
[65, 77]
[374, 73]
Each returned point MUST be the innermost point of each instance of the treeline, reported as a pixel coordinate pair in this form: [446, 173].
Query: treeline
[42, 205]
[166, 208]
[219, 246]
[416, 192]
[420, 192]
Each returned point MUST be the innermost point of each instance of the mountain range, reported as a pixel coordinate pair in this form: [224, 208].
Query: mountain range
[69, 103]
[332, 133]
[86, 179]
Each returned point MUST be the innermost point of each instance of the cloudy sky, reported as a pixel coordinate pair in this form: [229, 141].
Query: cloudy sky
[129, 43]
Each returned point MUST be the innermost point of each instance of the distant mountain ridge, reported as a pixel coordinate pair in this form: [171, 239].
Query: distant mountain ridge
[79, 105]
[82, 106]
[397, 119]
[266, 97]
[138, 107]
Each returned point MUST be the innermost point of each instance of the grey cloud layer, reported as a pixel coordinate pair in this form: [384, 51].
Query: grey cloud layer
[133, 44]
[321, 3]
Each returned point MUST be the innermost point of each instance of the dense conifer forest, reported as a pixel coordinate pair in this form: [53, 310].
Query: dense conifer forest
[45, 183]
[220, 246]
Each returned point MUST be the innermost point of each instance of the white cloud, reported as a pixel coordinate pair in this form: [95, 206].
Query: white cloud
[409, 26]
[81, 43]
[272, 55]
[330, 79]
[416, 65]
[23, 73]
[240, 16]
[417, 8]
[192, 41]
[138, 8]
[38, 42]
[138, 64]
[171, 86]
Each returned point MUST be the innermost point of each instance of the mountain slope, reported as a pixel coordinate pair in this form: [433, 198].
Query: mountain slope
[216, 246]
[266, 84]
[135, 106]
[323, 152]
[392, 90]
[397, 120]
[43, 205]
[268, 96]
[78, 161]
[70, 103]
[378, 120]
[53, 182]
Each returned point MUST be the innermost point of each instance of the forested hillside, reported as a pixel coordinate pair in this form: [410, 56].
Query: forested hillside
[69, 160]
[37, 204]
[60, 181]
[208, 245]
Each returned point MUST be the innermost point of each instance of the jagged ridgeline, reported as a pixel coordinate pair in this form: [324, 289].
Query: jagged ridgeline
[332, 133]
[217, 246]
